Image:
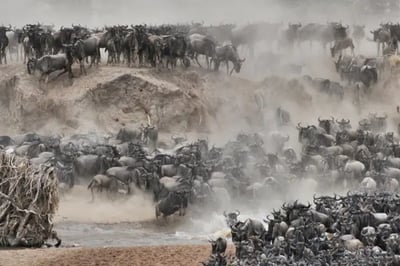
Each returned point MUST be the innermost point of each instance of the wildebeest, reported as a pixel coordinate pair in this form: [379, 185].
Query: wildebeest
[50, 63]
[133, 135]
[85, 48]
[111, 49]
[341, 45]
[218, 246]
[173, 48]
[64, 36]
[357, 69]
[103, 182]
[200, 44]
[3, 43]
[290, 35]
[175, 201]
[227, 53]
[382, 37]
[129, 44]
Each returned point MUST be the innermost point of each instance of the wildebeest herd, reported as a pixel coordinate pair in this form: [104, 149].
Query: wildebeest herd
[360, 228]
[181, 175]
[48, 50]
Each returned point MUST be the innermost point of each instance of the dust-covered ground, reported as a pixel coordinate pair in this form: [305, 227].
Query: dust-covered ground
[137, 256]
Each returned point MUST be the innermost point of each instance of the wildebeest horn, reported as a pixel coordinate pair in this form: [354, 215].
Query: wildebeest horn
[242, 60]
[363, 232]
[299, 125]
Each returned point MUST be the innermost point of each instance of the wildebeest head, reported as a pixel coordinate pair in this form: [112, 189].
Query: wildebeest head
[326, 124]
[238, 65]
[218, 246]
[343, 124]
[231, 218]
[369, 235]
[306, 134]
[340, 31]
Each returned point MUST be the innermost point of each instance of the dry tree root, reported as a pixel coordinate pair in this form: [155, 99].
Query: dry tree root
[28, 200]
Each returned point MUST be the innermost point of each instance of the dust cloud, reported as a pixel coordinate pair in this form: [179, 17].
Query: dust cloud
[76, 206]
[97, 13]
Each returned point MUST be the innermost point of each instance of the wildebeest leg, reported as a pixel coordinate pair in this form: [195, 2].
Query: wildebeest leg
[230, 73]
[227, 67]
[64, 71]
[196, 58]
[42, 76]
[92, 192]
[82, 66]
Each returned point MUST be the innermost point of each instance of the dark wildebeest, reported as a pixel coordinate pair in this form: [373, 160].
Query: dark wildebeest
[133, 135]
[225, 54]
[174, 48]
[33, 33]
[86, 48]
[111, 49]
[382, 37]
[154, 47]
[63, 36]
[290, 35]
[394, 30]
[200, 44]
[3, 43]
[341, 45]
[129, 43]
[142, 42]
[47, 42]
[51, 63]
[175, 201]
[150, 136]
[218, 246]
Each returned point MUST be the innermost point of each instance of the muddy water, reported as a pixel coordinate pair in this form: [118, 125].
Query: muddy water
[129, 222]
[122, 234]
